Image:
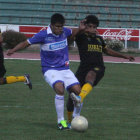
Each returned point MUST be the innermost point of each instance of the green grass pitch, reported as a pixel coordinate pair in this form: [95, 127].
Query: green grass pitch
[112, 108]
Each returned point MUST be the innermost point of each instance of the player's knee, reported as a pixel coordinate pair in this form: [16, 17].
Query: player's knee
[91, 77]
[60, 91]
[59, 88]
[76, 89]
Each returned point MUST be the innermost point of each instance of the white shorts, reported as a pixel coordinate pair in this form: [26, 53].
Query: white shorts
[65, 76]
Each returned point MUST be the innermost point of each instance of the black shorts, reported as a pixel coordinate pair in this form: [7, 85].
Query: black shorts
[83, 70]
[2, 67]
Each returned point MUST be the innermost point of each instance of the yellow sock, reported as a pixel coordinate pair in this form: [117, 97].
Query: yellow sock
[85, 91]
[69, 114]
[13, 79]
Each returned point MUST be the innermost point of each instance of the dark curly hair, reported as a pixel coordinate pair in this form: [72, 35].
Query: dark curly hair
[11, 38]
[57, 18]
[92, 19]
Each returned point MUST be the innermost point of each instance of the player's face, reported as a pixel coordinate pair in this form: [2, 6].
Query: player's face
[57, 28]
[91, 29]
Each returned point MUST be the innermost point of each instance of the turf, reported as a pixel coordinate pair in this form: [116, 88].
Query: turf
[112, 108]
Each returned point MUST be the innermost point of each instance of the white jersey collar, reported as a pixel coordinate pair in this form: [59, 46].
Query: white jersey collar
[49, 31]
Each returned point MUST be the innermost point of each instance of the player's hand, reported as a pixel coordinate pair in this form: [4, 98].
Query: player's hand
[9, 52]
[82, 25]
[131, 58]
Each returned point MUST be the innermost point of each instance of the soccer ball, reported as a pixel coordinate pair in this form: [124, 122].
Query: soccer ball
[79, 123]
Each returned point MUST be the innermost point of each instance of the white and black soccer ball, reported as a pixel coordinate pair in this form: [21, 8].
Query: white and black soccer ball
[79, 123]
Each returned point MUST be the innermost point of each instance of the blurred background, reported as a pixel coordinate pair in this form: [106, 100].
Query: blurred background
[121, 15]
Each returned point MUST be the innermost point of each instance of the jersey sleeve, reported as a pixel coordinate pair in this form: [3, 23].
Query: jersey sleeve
[38, 38]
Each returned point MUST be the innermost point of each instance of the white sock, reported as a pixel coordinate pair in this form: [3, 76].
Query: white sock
[59, 105]
[77, 110]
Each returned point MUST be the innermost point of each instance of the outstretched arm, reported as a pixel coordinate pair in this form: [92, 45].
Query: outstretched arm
[111, 52]
[77, 30]
[20, 46]
[81, 28]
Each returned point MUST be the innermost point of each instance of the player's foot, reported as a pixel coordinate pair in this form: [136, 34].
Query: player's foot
[76, 99]
[28, 81]
[63, 125]
[69, 125]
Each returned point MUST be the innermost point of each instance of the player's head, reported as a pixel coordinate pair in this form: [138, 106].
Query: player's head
[91, 23]
[57, 23]
[92, 19]
[11, 38]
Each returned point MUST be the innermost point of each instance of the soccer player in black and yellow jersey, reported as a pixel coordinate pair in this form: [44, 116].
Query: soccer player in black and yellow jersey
[91, 69]
[10, 79]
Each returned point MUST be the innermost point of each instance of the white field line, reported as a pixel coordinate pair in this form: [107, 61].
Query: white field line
[77, 60]
[21, 58]
[86, 108]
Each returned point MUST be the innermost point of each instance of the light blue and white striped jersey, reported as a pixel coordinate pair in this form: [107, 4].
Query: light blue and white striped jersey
[53, 49]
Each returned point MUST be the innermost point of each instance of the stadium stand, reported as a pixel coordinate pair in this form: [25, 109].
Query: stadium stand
[112, 13]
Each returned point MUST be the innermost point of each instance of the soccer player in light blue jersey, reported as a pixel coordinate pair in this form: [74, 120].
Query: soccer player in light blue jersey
[55, 62]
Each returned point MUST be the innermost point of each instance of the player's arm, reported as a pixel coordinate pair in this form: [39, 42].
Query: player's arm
[111, 52]
[37, 38]
[78, 30]
[20, 46]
